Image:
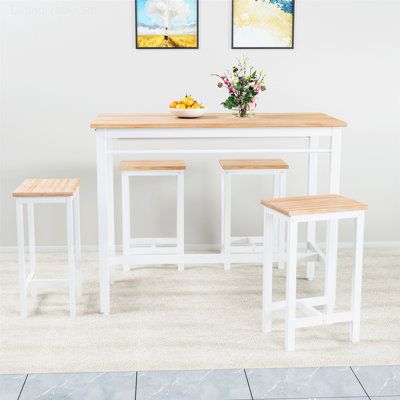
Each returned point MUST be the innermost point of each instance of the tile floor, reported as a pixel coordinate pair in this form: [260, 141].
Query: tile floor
[356, 383]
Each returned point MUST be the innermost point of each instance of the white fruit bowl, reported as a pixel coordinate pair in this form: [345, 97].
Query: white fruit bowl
[188, 113]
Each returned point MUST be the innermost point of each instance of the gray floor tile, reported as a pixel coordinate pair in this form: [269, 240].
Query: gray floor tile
[303, 383]
[87, 386]
[386, 398]
[325, 398]
[10, 386]
[193, 385]
[380, 381]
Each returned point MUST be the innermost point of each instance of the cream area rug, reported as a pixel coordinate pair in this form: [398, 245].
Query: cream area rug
[202, 318]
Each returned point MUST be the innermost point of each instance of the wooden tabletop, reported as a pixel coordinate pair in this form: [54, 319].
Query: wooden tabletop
[216, 121]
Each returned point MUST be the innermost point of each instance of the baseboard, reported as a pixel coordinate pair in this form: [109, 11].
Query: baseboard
[197, 247]
[373, 245]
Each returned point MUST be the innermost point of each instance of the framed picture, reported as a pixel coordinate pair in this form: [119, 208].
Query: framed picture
[167, 24]
[263, 24]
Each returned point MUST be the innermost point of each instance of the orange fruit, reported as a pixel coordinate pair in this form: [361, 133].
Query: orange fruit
[173, 104]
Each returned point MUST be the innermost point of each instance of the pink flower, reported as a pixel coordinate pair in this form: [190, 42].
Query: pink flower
[228, 84]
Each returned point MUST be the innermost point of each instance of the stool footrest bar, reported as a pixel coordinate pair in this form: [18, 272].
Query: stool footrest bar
[308, 310]
[321, 256]
[152, 241]
[323, 319]
[305, 303]
[307, 257]
[247, 240]
[149, 250]
[29, 279]
[313, 301]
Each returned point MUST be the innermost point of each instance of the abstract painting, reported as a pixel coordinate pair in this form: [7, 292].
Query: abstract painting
[262, 24]
[166, 24]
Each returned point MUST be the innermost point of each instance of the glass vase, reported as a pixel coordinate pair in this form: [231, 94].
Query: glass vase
[245, 111]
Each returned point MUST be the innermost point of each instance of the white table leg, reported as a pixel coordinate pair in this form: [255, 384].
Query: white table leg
[336, 144]
[180, 218]
[357, 277]
[77, 239]
[21, 257]
[291, 272]
[110, 207]
[103, 219]
[267, 272]
[71, 257]
[312, 190]
[222, 174]
[31, 229]
[331, 265]
[227, 221]
[126, 217]
[32, 244]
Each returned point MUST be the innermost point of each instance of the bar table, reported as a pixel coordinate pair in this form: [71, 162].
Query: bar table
[110, 128]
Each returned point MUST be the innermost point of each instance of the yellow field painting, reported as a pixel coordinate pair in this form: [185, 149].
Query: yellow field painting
[177, 41]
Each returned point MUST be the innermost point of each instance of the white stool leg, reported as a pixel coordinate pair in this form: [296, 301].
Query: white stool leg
[180, 218]
[276, 194]
[71, 257]
[227, 221]
[32, 245]
[77, 238]
[357, 277]
[21, 257]
[267, 272]
[331, 265]
[281, 224]
[291, 270]
[126, 217]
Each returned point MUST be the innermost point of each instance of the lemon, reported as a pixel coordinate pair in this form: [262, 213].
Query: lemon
[188, 101]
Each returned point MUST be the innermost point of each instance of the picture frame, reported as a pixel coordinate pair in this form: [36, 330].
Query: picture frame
[288, 37]
[150, 34]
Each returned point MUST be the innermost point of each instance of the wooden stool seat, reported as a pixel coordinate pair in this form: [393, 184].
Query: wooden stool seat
[152, 165]
[253, 164]
[305, 205]
[47, 188]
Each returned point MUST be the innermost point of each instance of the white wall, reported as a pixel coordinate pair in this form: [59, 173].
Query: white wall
[64, 62]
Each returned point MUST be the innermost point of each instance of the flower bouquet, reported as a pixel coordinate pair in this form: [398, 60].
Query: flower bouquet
[244, 83]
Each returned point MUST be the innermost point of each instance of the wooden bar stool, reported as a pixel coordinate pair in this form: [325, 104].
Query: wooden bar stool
[39, 191]
[294, 210]
[231, 245]
[154, 245]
